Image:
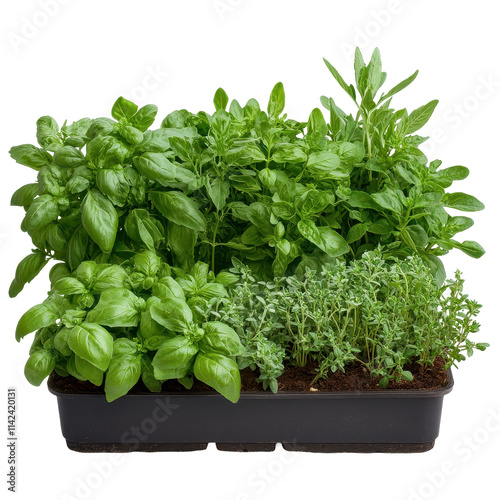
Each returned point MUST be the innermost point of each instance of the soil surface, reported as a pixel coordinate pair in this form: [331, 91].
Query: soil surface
[356, 378]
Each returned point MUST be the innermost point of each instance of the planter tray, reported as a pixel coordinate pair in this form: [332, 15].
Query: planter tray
[390, 421]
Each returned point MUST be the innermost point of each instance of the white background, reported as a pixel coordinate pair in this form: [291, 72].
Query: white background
[76, 60]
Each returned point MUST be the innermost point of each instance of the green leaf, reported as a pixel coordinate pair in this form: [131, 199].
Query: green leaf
[154, 342]
[47, 133]
[110, 277]
[245, 183]
[436, 266]
[359, 66]
[30, 156]
[218, 190]
[245, 155]
[181, 241]
[27, 270]
[347, 88]
[374, 72]
[43, 210]
[143, 228]
[157, 167]
[39, 366]
[418, 118]
[168, 288]
[259, 214]
[288, 153]
[68, 286]
[24, 196]
[276, 103]
[428, 200]
[117, 307]
[131, 134]
[89, 371]
[123, 373]
[356, 232]
[462, 201]
[174, 314]
[144, 118]
[148, 377]
[114, 185]
[316, 123]
[324, 238]
[220, 338]
[389, 201]
[220, 99]
[100, 220]
[447, 176]
[174, 358]
[92, 343]
[219, 372]
[178, 208]
[236, 110]
[399, 87]
[327, 163]
[68, 157]
[61, 341]
[124, 346]
[76, 249]
[147, 262]
[471, 248]
[123, 109]
[418, 235]
[37, 317]
[58, 271]
[360, 199]
[458, 224]
[380, 226]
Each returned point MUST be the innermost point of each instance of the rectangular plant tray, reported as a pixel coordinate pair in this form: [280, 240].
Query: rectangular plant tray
[390, 421]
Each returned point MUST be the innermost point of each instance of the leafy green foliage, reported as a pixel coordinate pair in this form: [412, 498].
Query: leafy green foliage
[382, 313]
[138, 319]
[273, 192]
[143, 224]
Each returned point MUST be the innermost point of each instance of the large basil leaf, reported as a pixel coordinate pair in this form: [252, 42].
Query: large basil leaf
[462, 201]
[27, 270]
[37, 317]
[25, 195]
[173, 358]
[141, 227]
[324, 238]
[117, 307]
[100, 220]
[92, 343]
[123, 373]
[219, 372]
[157, 167]
[30, 156]
[43, 210]
[220, 338]
[123, 109]
[179, 209]
[114, 185]
[89, 371]
[39, 366]
[174, 314]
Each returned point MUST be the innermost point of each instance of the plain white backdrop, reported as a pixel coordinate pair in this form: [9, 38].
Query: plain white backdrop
[71, 59]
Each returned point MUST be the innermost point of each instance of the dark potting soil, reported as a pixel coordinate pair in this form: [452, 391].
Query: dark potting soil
[355, 378]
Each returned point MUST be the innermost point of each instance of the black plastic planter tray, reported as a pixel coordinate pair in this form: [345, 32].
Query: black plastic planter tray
[364, 422]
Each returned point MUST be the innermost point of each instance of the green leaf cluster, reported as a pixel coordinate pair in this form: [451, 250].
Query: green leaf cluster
[138, 320]
[382, 313]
